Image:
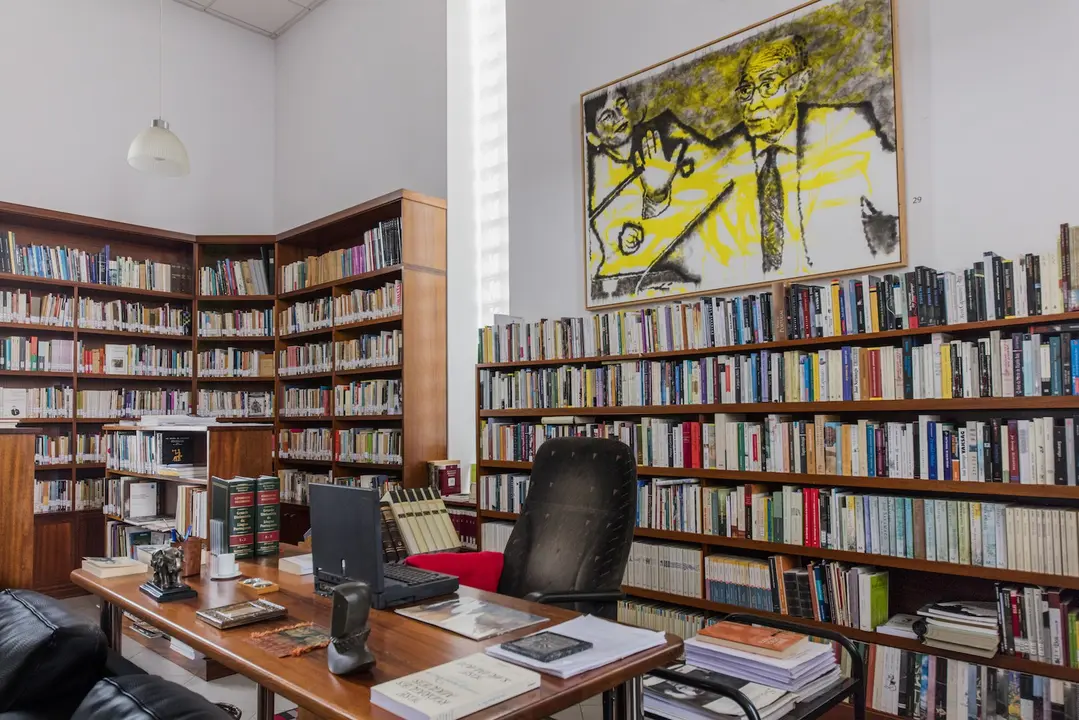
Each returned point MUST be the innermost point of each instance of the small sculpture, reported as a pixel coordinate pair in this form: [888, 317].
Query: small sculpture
[166, 585]
[348, 651]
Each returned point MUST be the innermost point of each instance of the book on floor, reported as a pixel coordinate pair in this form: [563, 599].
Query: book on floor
[454, 689]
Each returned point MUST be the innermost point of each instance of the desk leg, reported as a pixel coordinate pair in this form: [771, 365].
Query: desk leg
[625, 702]
[265, 704]
[112, 624]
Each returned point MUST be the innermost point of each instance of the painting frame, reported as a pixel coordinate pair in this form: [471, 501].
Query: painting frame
[900, 172]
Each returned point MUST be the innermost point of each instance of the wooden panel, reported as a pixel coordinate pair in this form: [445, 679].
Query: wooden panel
[54, 550]
[17, 508]
[295, 521]
[312, 227]
[90, 535]
[402, 646]
[241, 451]
[40, 217]
[423, 235]
[425, 373]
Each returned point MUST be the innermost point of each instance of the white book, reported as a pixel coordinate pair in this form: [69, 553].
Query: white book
[455, 689]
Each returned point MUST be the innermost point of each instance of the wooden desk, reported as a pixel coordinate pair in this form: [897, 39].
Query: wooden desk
[402, 646]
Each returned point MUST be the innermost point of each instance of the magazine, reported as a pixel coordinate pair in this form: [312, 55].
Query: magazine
[667, 699]
[474, 618]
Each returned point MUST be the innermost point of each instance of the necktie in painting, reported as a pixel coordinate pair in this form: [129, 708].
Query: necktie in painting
[770, 197]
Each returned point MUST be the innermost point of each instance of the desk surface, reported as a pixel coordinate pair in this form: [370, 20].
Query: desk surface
[402, 646]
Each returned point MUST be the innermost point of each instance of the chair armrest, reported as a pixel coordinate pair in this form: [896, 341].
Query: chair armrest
[569, 596]
[710, 685]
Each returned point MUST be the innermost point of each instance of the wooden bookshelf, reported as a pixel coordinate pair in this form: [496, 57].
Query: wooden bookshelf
[422, 322]
[914, 582]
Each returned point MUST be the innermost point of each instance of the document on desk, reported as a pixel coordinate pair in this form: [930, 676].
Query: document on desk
[610, 642]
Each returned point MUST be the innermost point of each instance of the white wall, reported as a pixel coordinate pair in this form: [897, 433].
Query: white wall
[81, 80]
[989, 101]
[361, 106]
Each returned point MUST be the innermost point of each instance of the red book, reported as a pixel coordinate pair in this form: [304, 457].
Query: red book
[813, 592]
[812, 517]
[874, 375]
[695, 444]
[687, 444]
[1017, 631]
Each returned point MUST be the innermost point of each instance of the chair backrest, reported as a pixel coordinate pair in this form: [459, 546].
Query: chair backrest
[576, 527]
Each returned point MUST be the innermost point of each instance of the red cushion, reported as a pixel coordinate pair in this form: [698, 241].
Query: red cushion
[479, 570]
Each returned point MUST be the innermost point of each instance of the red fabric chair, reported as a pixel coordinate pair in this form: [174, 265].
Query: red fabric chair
[480, 570]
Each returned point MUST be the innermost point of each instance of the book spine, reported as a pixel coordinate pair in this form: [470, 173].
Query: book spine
[267, 515]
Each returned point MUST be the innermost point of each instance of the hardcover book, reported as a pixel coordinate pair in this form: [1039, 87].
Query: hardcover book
[267, 514]
[753, 639]
[234, 504]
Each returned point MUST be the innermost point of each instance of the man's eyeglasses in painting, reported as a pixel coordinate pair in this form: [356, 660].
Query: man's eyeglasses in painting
[767, 88]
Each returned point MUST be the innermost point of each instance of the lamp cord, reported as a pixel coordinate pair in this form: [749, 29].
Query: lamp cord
[161, 60]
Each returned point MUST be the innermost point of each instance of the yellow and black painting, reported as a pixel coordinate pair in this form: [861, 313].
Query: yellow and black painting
[769, 154]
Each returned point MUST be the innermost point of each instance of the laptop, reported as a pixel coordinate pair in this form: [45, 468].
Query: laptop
[347, 545]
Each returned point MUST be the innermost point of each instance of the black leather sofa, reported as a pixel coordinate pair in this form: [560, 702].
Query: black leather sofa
[55, 665]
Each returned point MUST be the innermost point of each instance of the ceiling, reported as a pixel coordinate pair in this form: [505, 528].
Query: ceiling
[265, 17]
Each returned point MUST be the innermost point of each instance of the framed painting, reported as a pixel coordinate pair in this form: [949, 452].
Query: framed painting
[773, 153]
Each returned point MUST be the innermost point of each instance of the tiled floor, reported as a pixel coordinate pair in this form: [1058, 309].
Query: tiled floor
[239, 691]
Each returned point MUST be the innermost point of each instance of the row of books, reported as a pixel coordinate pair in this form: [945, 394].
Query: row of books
[149, 452]
[1020, 365]
[305, 444]
[100, 268]
[37, 354]
[134, 316]
[494, 536]
[236, 323]
[52, 449]
[669, 504]
[51, 496]
[683, 622]
[674, 569]
[423, 521]
[503, 493]
[830, 592]
[984, 534]
[191, 507]
[368, 397]
[305, 316]
[124, 403]
[89, 448]
[250, 510]
[236, 403]
[360, 304]
[306, 401]
[380, 248]
[369, 351]
[235, 362]
[130, 498]
[1039, 624]
[294, 483]
[237, 277]
[382, 446]
[465, 522]
[305, 359]
[132, 359]
[28, 307]
[37, 402]
[992, 288]
[123, 540]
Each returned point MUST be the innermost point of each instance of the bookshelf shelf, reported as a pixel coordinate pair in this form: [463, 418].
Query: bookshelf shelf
[35, 373]
[382, 467]
[350, 280]
[46, 421]
[236, 339]
[497, 515]
[368, 418]
[153, 476]
[238, 379]
[800, 343]
[361, 324]
[41, 467]
[236, 298]
[459, 504]
[134, 378]
[381, 369]
[1063, 492]
[307, 333]
[1062, 402]
[303, 461]
[305, 376]
[36, 328]
[135, 334]
[283, 419]
[1003, 661]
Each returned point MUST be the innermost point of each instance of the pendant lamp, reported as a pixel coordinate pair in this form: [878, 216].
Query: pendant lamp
[156, 149]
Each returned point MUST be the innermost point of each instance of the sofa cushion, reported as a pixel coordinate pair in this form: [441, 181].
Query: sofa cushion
[48, 655]
[145, 697]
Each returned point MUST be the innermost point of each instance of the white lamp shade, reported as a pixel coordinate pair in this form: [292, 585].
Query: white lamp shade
[157, 150]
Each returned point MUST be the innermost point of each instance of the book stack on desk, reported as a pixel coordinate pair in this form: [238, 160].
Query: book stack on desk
[964, 627]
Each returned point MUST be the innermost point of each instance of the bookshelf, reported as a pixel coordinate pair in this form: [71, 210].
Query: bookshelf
[343, 349]
[913, 581]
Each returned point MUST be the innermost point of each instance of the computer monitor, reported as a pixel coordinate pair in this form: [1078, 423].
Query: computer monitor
[346, 536]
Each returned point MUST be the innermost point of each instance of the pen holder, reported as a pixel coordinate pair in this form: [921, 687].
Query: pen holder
[192, 548]
[223, 566]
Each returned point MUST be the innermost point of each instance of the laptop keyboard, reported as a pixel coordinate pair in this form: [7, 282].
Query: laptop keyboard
[409, 575]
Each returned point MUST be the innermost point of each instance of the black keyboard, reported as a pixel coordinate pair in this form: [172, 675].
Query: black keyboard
[410, 575]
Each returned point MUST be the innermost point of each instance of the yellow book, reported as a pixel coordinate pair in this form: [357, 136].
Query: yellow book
[837, 325]
[401, 515]
[946, 371]
[844, 450]
[814, 358]
[874, 308]
[811, 449]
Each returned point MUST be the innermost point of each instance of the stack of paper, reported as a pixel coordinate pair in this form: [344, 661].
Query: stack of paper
[610, 642]
[805, 674]
[676, 701]
[966, 627]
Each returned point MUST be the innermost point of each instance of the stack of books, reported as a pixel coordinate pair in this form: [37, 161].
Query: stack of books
[964, 627]
[676, 701]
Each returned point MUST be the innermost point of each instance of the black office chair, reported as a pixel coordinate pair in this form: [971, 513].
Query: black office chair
[571, 543]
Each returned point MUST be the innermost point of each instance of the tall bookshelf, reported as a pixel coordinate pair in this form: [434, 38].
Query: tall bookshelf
[913, 582]
[421, 369]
